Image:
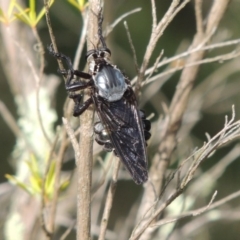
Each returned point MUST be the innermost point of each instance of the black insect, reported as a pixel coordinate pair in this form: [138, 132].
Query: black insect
[122, 127]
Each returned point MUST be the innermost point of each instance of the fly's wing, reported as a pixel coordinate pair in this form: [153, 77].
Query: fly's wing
[123, 123]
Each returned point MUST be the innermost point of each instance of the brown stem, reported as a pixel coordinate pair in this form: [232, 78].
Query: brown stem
[84, 162]
[109, 202]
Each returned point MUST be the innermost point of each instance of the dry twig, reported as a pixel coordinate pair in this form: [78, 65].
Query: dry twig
[109, 201]
[175, 114]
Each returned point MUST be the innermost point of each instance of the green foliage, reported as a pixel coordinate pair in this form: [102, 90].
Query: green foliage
[27, 15]
[79, 4]
[36, 180]
[8, 17]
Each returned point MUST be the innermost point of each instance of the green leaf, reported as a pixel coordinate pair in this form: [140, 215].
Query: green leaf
[29, 15]
[79, 4]
[50, 180]
[2, 16]
[33, 166]
[22, 15]
[32, 13]
[36, 179]
[35, 184]
[64, 185]
[8, 17]
[17, 182]
[11, 7]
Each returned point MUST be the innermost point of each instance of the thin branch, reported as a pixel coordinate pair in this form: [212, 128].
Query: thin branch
[155, 35]
[190, 51]
[72, 138]
[82, 40]
[12, 124]
[230, 132]
[109, 201]
[38, 85]
[49, 161]
[68, 231]
[147, 223]
[199, 156]
[106, 165]
[198, 14]
[202, 210]
[216, 13]
[51, 34]
[154, 68]
[213, 174]
[37, 80]
[118, 20]
[174, 118]
[154, 15]
[219, 58]
[132, 47]
[51, 221]
[196, 225]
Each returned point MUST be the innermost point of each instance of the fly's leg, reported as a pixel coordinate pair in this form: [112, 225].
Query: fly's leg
[79, 107]
[70, 73]
[146, 125]
[75, 86]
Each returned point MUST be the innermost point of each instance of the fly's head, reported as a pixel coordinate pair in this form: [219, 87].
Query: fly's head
[97, 57]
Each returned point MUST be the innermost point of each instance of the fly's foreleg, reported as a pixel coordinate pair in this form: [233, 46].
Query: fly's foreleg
[72, 87]
[70, 72]
[79, 108]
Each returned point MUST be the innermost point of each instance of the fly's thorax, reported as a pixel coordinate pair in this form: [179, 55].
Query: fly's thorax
[110, 82]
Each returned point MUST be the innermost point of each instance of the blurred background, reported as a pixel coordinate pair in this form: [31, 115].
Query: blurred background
[215, 91]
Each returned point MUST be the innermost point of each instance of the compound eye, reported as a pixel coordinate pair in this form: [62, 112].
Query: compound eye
[92, 57]
[90, 53]
[105, 52]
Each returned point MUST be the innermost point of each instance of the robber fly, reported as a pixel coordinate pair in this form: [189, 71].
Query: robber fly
[122, 127]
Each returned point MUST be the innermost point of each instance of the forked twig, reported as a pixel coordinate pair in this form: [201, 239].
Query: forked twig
[201, 210]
